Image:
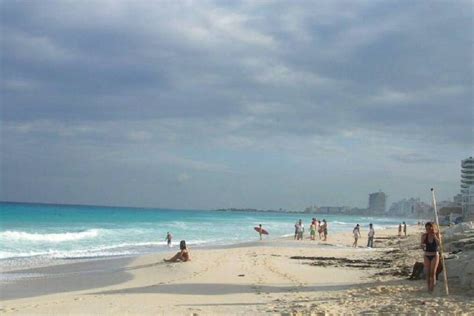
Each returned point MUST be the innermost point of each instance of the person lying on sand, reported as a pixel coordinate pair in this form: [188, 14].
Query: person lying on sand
[182, 255]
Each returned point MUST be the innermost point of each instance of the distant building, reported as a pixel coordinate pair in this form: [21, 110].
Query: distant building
[405, 207]
[333, 209]
[458, 199]
[449, 214]
[440, 204]
[468, 204]
[467, 188]
[311, 209]
[410, 207]
[377, 203]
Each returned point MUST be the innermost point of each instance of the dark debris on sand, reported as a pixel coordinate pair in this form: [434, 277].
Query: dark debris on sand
[388, 263]
[345, 262]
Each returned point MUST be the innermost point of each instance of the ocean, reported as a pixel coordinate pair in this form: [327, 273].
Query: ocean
[42, 234]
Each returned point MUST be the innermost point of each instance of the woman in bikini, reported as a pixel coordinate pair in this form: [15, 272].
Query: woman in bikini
[182, 255]
[430, 244]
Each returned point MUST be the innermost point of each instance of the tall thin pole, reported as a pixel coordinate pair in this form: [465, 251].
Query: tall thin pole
[440, 244]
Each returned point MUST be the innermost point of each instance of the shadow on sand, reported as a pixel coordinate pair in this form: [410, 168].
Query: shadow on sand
[223, 288]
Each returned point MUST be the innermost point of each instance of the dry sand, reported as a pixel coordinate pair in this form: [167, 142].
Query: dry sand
[275, 277]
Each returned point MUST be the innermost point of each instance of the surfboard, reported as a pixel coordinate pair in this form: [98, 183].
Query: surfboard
[263, 230]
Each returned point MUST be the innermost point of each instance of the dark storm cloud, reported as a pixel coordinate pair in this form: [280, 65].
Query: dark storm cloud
[134, 60]
[188, 78]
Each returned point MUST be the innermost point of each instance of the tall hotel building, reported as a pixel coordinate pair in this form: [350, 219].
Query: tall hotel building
[467, 188]
[377, 203]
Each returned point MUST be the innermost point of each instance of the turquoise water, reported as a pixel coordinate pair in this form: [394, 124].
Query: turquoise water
[40, 231]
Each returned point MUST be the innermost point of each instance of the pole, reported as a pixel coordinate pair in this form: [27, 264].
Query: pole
[440, 244]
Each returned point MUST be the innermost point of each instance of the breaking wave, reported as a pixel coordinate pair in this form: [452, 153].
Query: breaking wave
[54, 238]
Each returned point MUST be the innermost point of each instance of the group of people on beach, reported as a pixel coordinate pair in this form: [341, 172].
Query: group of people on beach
[430, 243]
[315, 226]
[400, 229]
[370, 236]
[322, 228]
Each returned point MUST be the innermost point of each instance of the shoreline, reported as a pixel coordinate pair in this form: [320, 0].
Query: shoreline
[275, 241]
[24, 263]
[13, 282]
[275, 276]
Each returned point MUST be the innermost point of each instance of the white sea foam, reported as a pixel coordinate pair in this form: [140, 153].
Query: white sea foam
[54, 238]
[120, 249]
[9, 254]
[341, 223]
[63, 254]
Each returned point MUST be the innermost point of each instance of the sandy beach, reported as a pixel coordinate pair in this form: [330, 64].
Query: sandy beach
[282, 276]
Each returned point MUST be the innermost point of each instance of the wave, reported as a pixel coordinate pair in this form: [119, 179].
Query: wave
[52, 254]
[341, 223]
[55, 237]
[120, 249]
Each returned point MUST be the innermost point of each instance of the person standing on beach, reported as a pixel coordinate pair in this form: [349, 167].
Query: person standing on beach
[405, 229]
[400, 230]
[430, 244]
[312, 230]
[300, 230]
[260, 231]
[356, 232]
[169, 238]
[325, 229]
[371, 234]
[320, 229]
[296, 230]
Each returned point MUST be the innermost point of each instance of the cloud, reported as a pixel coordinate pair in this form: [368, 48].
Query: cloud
[415, 158]
[212, 87]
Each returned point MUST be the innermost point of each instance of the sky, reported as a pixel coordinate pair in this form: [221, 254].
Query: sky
[245, 104]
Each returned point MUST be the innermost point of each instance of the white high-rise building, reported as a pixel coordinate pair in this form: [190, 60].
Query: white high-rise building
[467, 188]
[468, 204]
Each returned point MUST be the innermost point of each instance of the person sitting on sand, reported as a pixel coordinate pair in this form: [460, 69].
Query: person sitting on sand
[182, 255]
[430, 244]
[356, 232]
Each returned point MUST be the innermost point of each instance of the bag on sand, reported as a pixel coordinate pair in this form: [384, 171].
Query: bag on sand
[419, 273]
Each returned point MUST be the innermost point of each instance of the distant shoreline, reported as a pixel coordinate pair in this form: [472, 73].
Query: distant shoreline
[248, 210]
[310, 213]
